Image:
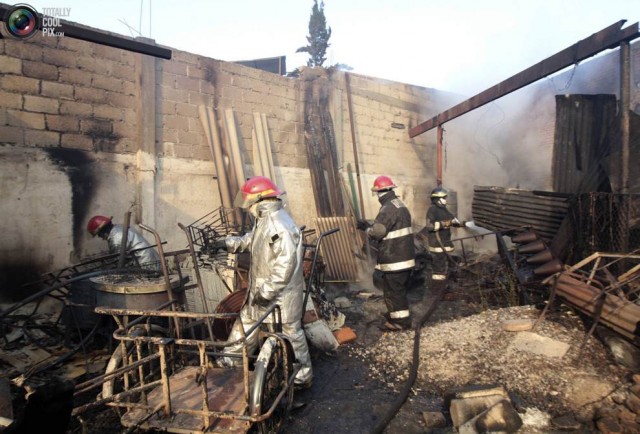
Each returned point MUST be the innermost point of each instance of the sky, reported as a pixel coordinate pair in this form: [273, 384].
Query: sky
[461, 46]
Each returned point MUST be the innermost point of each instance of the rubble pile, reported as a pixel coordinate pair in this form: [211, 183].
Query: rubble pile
[577, 383]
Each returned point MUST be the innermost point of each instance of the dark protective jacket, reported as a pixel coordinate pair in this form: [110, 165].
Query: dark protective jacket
[439, 221]
[392, 229]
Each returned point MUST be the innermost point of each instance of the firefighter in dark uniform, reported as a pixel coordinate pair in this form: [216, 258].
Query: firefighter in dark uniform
[396, 253]
[439, 223]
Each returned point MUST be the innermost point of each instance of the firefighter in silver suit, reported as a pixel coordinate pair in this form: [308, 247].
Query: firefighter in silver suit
[103, 227]
[276, 274]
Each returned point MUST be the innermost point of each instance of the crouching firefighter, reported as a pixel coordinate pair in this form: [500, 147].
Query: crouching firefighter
[276, 273]
[439, 223]
[396, 253]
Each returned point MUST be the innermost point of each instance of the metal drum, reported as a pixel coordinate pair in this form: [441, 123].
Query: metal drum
[132, 292]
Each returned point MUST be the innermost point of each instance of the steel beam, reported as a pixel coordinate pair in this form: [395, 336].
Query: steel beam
[610, 37]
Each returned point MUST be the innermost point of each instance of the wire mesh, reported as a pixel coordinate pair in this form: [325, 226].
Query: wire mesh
[213, 226]
[604, 222]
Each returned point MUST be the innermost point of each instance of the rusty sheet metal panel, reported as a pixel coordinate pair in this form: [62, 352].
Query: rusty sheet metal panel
[497, 209]
[339, 250]
[583, 136]
[616, 313]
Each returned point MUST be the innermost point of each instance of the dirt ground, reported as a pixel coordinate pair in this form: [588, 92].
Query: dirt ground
[461, 343]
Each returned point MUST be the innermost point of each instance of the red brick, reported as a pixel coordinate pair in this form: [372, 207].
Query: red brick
[40, 104]
[41, 138]
[344, 335]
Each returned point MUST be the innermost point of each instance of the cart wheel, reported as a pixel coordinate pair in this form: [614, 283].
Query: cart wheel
[270, 379]
[112, 387]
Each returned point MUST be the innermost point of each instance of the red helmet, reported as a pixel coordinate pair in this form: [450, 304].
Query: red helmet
[96, 223]
[256, 189]
[383, 183]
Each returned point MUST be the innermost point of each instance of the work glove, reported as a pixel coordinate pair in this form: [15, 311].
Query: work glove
[455, 222]
[219, 245]
[259, 300]
[362, 225]
[445, 224]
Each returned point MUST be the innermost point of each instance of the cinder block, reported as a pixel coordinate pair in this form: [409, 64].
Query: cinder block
[106, 52]
[62, 123]
[12, 135]
[10, 100]
[56, 90]
[18, 83]
[41, 138]
[186, 137]
[176, 95]
[40, 104]
[96, 127]
[120, 100]
[125, 130]
[186, 83]
[53, 56]
[77, 45]
[75, 108]
[107, 112]
[74, 76]
[175, 122]
[78, 141]
[10, 65]
[123, 71]
[22, 119]
[174, 67]
[464, 409]
[89, 94]
[189, 110]
[23, 50]
[106, 82]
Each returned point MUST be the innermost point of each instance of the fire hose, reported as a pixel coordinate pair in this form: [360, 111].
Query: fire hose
[415, 360]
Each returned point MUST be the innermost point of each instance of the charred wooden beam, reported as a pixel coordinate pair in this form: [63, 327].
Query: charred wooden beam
[605, 39]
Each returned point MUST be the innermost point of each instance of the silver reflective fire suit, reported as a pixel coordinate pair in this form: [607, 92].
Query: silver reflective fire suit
[147, 258]
[276, 274]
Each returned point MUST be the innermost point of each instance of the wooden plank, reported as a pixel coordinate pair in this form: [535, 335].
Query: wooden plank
[605, 39]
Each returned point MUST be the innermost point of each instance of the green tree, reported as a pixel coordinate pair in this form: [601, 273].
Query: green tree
[318, 37]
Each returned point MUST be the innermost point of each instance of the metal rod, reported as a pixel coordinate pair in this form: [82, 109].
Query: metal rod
[124, 240]
[439, 156]
[165, 272]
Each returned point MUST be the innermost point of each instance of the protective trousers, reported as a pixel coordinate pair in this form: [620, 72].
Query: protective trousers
[394, 288]
[293, 331]
[440, 267]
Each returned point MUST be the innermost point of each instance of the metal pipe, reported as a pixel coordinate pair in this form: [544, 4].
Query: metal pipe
[165, 272]
[625, 77]
[125, 239]
[439, 155]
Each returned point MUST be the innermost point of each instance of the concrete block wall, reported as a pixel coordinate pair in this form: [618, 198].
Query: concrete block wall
[110, 131]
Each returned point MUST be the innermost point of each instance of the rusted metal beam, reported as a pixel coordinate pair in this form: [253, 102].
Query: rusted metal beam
[605, 39]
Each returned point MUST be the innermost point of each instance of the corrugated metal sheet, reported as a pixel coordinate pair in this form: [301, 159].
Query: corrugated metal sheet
[497, 208]
[339, 250]
[582, 139]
